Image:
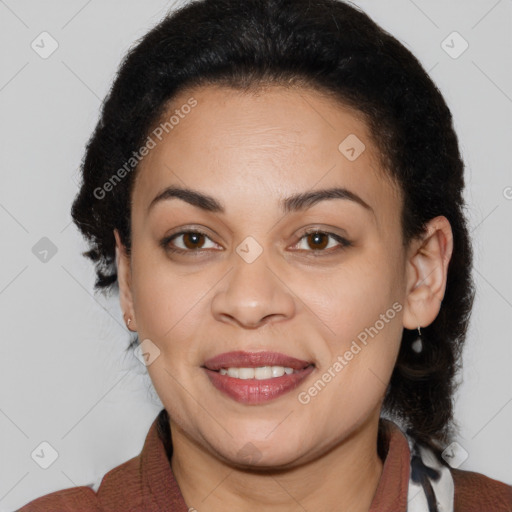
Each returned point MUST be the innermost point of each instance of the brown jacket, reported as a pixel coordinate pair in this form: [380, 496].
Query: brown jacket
[146, 483]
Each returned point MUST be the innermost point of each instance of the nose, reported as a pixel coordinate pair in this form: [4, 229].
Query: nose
[253, 294]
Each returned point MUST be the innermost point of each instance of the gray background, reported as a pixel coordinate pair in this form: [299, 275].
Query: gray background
[65, 378]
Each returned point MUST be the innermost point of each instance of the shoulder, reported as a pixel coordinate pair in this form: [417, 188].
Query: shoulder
[119, 487]
[67, 500]
[477, 492]
[454, 489]
[144, 482]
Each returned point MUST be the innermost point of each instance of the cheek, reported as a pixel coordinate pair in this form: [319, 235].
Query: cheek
[167, 304]
[361, 307]
[352, 297]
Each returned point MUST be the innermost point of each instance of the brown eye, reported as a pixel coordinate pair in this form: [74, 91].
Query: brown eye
[187, 242]
[318, 240]
[191, 239]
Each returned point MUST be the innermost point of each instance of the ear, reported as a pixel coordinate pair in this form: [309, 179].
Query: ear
[124, 279]
[427, 270]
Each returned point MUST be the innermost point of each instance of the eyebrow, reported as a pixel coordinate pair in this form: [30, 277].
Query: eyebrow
[297, 202]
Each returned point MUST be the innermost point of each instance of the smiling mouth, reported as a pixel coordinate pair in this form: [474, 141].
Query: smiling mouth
[254, 378]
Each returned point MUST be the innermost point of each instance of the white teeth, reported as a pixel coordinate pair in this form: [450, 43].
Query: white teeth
[245, 373]
[263, 372]
[259, 373]
[278, 371]
[233, 372]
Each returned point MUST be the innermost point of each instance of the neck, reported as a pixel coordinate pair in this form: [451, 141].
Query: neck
[345, 478]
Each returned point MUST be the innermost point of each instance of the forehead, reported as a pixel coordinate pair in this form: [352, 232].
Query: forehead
[250, 147]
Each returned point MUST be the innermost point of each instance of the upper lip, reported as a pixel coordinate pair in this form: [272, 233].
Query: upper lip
[241, 359]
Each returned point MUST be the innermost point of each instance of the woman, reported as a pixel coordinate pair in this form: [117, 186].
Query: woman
[275, 188]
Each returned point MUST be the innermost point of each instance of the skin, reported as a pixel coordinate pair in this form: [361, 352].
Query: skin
[248, 151]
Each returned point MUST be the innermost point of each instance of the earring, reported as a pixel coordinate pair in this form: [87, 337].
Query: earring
[127, 321]
[417, 344]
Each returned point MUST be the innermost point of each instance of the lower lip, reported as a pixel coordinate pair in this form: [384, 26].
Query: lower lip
[254, 391]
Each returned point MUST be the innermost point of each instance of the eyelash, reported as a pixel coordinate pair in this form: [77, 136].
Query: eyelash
[165, 243]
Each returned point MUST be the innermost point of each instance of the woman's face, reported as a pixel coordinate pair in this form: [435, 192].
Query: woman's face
[254, 280]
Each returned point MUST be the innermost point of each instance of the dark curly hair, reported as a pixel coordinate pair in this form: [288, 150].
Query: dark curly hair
[337, 49]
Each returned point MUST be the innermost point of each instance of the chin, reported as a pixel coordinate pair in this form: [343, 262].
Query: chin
[252, 458]
[260, 451]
